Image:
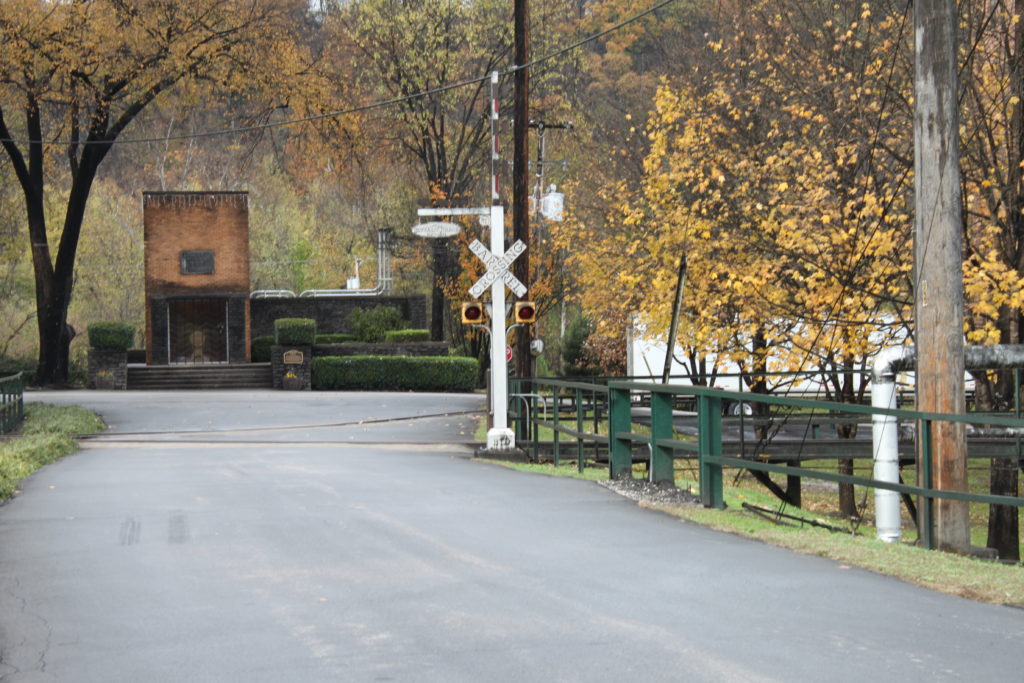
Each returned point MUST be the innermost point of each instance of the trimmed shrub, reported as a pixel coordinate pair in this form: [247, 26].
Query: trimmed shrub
[334, 338]
[369, 325]
[395, 373]
[295, 331]
[111, 336]
[260, 349]
[406, 336]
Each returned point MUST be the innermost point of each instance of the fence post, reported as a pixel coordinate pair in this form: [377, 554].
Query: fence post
[662, 468]
[579, 430]
[556, 401]
[709, 444]
[925, 520]
[620, 419]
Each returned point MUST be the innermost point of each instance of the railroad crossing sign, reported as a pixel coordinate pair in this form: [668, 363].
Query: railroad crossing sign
[497, 268]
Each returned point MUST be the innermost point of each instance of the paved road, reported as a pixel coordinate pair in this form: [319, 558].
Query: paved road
[289, 558]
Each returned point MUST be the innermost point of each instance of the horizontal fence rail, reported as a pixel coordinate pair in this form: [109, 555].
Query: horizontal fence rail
[12, 402]
[602, 417]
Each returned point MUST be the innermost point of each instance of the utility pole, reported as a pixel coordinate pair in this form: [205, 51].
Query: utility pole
[521, 172]
[938, 291]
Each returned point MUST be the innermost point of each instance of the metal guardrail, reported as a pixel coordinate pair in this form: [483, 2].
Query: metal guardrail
[613, 427]
[12, 402]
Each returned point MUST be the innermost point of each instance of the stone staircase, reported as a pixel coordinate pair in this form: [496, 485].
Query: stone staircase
[160, 377]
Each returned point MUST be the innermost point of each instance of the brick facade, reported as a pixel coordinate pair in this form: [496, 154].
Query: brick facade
[197, 249]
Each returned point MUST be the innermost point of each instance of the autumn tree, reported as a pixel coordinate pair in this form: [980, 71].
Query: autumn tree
[414, 52]
[992, 98]
[74, 77]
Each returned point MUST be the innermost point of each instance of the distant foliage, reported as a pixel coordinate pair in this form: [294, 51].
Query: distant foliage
[295, 330]
[370, 325]
[395, 373]
[111, 335]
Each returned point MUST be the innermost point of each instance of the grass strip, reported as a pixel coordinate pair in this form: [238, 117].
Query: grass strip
[46, 435]
[967, 577]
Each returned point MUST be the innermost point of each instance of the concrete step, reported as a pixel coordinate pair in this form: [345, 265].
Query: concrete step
[242, 376]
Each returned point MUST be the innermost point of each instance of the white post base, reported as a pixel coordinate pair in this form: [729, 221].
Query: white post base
[500, 440]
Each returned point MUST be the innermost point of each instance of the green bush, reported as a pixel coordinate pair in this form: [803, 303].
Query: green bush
[111, 335]
[260, 348]
[369, 325]
[395, 373]
[334, 338]
[406, 336]
[12, 366]
[294, 331]
[574, 353]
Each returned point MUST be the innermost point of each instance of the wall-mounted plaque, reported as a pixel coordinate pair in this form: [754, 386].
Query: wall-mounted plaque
[292, 357]
[197, 262]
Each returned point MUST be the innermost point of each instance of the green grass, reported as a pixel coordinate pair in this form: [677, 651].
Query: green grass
[964, 576]
[46, 436]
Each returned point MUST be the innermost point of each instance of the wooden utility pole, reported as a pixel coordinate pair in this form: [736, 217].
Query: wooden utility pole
[939, 300]
[521, 173]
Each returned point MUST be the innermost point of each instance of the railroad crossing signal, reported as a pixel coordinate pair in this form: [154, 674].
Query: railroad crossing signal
[473, 313]
[526, 312]
[497, 268]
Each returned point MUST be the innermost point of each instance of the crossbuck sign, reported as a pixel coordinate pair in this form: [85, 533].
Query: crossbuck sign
[497, 268]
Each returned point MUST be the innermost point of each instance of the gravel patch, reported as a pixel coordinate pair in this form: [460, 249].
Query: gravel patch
[644, 491]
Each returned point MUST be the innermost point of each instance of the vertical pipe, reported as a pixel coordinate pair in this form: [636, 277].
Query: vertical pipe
[885, 444]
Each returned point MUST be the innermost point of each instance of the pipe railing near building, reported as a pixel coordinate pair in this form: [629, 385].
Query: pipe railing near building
[385, 278]
[12, 402]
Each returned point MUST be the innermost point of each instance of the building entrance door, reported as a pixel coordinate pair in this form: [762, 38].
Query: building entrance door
[197, 330]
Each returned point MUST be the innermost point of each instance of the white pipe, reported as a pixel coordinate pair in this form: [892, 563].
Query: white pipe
[885, 430]
[885, 439]
[385, 276]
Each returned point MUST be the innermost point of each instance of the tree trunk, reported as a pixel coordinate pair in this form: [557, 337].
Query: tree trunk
[1003, 520]
[53, 280]
[845, 392]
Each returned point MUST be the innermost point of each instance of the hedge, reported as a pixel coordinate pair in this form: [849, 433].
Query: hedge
[295, 331]
[334, 338]
[260, 348]
[406, 336]
[111, 336]
[395, 373]
[370, 325]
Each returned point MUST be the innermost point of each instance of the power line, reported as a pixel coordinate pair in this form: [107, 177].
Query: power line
[352, 110]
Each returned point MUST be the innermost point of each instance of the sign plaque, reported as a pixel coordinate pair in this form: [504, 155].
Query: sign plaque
[293, 357]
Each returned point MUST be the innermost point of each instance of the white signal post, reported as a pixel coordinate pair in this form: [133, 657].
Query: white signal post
[499, 437]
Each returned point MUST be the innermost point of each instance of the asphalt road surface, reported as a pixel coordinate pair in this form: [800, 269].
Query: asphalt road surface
[278, 536]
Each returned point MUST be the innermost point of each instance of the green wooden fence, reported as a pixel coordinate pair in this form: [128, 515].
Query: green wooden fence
[12, 402]
[602, 416]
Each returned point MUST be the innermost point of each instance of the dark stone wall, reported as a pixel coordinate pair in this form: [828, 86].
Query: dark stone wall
[330, 313]
[238, 339]
[303, 380]
[108, 369]
[354, 349]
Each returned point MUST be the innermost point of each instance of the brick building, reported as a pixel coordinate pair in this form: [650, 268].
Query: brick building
[197, 277]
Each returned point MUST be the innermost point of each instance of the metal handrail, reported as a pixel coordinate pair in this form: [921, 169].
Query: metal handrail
[12, 402]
